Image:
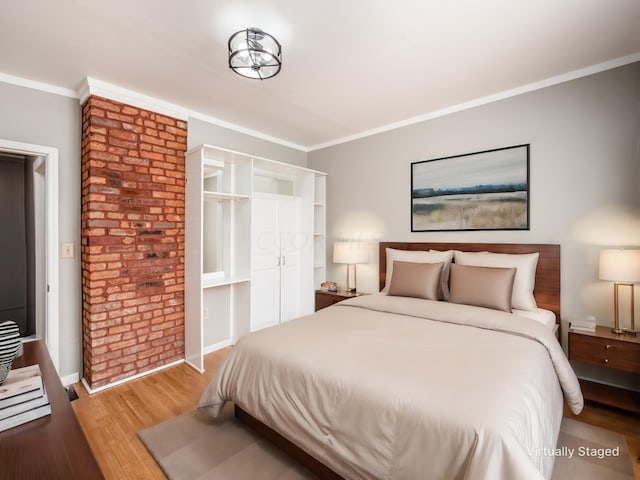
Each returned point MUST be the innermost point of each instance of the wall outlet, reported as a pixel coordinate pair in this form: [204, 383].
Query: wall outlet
[205, 313]
[68, 250]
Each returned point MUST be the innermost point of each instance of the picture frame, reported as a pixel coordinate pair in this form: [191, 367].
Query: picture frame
[487, 190]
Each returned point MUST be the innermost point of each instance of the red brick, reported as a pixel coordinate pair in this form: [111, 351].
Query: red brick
[133, 205]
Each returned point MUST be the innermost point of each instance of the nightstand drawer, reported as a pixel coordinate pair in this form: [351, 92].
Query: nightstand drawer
[605, 352]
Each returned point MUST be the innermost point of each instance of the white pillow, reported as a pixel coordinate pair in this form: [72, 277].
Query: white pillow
[525, 263]
[418, 256]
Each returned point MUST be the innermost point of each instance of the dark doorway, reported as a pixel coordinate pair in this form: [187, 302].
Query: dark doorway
[17, 242]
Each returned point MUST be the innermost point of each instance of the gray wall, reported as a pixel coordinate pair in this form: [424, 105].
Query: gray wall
[202, 132]
[31, 116]
[585, 171]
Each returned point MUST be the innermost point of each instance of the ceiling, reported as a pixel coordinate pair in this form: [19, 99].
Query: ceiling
[350, 67]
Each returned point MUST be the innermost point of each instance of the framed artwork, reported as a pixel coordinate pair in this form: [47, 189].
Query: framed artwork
[486, 190]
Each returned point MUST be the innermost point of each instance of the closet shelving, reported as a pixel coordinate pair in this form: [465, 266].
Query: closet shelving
[224, 289]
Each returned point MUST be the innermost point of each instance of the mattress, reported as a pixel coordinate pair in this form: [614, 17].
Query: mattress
[402, 388]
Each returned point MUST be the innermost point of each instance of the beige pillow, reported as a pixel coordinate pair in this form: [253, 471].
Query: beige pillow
[525, 264]
[420, 256]
[418, 280]
[487, 287]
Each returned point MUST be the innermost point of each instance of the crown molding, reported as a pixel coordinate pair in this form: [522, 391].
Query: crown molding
[91, 86]
[35, 85]
[246, 131]
[548, 82]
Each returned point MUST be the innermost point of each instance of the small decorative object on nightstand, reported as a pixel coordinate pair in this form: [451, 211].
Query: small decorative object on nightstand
[609, 350]
[325, 298]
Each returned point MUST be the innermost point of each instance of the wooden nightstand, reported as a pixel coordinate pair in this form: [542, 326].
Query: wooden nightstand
[609, 350]
[325, 298]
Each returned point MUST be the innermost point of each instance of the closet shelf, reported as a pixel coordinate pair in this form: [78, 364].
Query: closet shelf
[219, 281]
[223, 196]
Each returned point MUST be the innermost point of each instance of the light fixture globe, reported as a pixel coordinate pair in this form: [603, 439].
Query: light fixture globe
[254, 54]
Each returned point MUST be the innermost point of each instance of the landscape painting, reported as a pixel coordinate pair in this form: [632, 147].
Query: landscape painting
[477, 191]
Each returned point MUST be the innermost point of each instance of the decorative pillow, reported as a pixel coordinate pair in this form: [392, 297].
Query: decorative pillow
[419, 280]
[487, 287]
[525, 264]
[432, 256]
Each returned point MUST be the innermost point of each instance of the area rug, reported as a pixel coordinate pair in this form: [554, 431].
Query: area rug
[196, 447]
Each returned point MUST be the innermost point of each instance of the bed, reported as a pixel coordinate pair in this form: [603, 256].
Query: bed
[403, 385]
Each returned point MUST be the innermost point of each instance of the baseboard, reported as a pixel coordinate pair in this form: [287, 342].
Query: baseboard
[217, 346]
[91, 391]
[70, 379]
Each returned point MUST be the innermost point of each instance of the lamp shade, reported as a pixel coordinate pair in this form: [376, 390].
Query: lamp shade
[620, 265]
[349, 252]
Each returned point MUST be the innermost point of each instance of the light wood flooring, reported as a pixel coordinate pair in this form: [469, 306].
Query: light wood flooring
[111, 418]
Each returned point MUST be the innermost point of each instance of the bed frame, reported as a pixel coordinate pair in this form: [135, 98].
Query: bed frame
[546, 293]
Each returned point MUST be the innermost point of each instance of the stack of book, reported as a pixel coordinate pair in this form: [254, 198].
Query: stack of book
[587, 324]
[23, 397]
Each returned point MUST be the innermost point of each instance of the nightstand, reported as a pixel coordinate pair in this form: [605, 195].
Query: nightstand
[609, 350]
[325, 298]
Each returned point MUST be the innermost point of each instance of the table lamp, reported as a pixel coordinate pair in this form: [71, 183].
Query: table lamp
[350, 253]
[623, 268]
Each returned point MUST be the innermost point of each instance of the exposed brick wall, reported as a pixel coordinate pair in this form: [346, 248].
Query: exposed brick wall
[133, 181]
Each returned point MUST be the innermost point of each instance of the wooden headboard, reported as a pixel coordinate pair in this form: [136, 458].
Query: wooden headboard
[547, 287]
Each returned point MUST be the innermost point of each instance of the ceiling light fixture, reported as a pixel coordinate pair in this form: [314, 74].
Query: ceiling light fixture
[254, 54]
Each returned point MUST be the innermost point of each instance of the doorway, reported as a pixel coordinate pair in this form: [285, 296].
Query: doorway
[17, 242]
[29, 241]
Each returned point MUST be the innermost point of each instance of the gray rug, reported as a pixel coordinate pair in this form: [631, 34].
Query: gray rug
[193, 446]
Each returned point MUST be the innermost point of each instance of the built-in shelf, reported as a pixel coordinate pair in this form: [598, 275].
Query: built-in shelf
[211, 282]
[224, 196]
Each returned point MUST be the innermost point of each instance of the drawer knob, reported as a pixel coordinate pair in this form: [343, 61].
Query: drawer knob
[607, 347]
[606, 360]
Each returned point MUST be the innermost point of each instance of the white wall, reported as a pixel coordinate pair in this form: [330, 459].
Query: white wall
[585, 171]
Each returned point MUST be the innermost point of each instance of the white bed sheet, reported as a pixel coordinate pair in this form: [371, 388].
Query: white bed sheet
[545, 317]
[373, 389]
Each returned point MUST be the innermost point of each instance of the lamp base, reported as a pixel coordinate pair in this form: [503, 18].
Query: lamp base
[350, 290]
[619, 331]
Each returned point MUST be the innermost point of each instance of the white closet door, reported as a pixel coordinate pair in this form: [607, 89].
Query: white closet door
[265, 276]
[291, 242]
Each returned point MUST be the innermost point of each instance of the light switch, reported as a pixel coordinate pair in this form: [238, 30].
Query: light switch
[68, 250]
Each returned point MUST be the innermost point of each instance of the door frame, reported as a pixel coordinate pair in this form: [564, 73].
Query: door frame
[49, 161]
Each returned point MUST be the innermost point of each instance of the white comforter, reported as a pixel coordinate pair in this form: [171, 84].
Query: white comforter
[401, 388]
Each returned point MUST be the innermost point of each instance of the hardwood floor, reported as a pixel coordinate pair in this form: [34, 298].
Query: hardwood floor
[111, 418]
